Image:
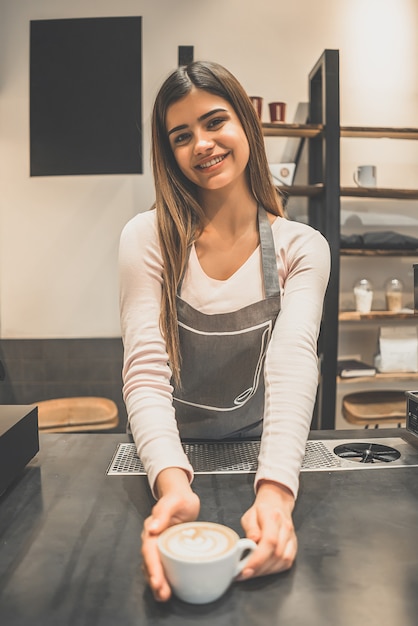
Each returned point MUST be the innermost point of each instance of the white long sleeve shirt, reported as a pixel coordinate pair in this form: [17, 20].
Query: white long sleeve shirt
[291, 367]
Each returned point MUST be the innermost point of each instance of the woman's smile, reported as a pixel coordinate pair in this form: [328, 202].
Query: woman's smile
[211, 162]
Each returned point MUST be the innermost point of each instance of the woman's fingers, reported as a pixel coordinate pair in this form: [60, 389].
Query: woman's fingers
[276, 542]
[153, 568]
[276, 555]
[261, 558]
[268, 558]
[250, 525]
[161, 517]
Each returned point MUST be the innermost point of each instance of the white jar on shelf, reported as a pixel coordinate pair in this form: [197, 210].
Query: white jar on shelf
[363, 295]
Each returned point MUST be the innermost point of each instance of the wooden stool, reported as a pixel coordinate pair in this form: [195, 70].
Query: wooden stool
[374, 408]
[66, 415]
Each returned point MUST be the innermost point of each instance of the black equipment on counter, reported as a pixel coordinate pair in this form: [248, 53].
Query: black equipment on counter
[412, 412]
[19, 441]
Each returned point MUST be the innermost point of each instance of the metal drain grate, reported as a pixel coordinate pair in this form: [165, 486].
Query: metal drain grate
[126, 461]
[222, 458]
[318, 456]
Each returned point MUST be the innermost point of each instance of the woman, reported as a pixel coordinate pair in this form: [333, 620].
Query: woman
[221, 302]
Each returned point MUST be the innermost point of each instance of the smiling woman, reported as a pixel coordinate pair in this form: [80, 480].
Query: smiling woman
[221, 302]
[179, 222]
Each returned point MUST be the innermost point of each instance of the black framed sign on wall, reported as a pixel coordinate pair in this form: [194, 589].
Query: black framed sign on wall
[85, 96]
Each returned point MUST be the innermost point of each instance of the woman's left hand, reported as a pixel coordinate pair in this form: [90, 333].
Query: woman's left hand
[269, 523]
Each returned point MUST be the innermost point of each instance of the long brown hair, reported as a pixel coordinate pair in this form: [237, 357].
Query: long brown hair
[179, 215]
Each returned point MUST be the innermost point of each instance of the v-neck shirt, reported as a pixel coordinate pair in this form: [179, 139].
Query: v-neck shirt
[210, 295]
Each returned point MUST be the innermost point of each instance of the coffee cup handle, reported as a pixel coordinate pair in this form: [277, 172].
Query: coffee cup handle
[355, 178]
[242, 546]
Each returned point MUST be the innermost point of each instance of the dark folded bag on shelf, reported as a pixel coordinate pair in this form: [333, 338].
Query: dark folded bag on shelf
[385, 240]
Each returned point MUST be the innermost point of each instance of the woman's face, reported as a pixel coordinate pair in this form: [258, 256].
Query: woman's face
[207, 139]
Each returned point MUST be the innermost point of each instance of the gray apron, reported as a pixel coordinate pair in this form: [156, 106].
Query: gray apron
[223, 355]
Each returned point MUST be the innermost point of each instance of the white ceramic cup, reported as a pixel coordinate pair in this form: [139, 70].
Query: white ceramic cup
[365, 176]
[201, 559]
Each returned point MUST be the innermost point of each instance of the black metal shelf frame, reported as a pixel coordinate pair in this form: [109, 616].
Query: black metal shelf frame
[324, 214]
[322, 132]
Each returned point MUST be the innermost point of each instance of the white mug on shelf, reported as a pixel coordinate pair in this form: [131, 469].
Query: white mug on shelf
[365, 176]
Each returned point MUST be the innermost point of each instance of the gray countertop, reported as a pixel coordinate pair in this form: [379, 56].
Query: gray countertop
[70, 541]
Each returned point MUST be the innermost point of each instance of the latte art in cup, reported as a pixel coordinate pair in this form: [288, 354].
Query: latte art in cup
[198, 541]
[201, 559]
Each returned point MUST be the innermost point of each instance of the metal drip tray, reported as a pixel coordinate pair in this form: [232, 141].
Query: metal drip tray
[241, 457]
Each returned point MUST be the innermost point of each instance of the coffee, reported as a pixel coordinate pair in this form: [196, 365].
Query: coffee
[394, 301]
[201, 559]
[198, 541]
[394, 289]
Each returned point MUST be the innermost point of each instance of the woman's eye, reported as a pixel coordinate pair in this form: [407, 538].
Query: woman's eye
[179, 139]
[216, 122]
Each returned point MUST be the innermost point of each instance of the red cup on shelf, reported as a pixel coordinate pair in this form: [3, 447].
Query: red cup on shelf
[257, 102]
[277, 111]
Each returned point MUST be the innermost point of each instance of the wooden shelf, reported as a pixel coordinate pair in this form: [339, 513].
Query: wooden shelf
[388, 377]
[301, 190]
[379, 192]
[355, 316]
[280, 129]
[371, 132]
[370, 252]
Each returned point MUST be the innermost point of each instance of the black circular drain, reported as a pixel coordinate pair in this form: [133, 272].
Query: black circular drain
[367, 452]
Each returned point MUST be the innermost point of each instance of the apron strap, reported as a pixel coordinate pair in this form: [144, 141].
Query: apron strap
[268, 255]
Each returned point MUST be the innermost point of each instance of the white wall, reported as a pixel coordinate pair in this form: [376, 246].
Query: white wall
[59, 235]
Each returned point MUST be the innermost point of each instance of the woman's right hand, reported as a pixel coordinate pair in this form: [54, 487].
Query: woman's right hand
[177, 504]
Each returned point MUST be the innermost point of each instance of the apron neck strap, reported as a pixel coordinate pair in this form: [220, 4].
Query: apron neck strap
[268, 255]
